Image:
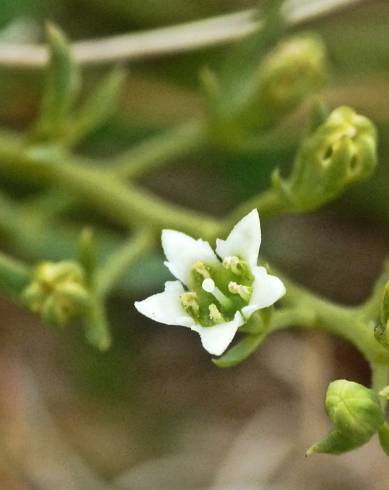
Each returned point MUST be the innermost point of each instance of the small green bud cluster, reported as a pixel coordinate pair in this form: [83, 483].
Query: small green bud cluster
[217, 292]
[57, 292]
[356, 414]
[341, 152]
[381, 330]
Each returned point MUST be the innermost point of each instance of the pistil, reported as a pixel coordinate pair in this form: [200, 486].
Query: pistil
[210, 287]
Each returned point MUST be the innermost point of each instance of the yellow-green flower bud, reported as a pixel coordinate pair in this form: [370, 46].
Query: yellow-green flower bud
[56, 312]
[295, 69]
[292, 71]
[57, 292]
[33, 296]
[356, 414]
[342, 151]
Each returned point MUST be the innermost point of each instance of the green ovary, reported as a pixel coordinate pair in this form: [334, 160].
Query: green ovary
[217, 292]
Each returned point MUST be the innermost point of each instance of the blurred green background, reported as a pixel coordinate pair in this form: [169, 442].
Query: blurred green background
[153, 412]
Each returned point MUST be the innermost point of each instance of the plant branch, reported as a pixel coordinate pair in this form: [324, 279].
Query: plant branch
[125, 205]
[380, 376]
[268, 204]
[159, 150]
[14, 275]
[121, 260]
[310, 311]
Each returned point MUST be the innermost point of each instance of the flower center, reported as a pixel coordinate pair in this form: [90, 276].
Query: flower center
[210, 287]
[217, 292]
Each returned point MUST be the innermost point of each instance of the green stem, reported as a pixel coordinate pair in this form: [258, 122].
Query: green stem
[14, 275]
[118, 263]
[37, 236]
[148, 155]
[96, 325]
[268, 204]
[287, 317]
[345, 322]
[51, 203]
[159, 150]
[126, 205]
[380, 379]
[372, 307]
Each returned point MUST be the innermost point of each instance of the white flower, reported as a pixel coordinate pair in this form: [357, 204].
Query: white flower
[214, 294]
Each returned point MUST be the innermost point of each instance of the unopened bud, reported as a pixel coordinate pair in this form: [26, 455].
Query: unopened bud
[340, 152]
[295, 69]
[356, 414]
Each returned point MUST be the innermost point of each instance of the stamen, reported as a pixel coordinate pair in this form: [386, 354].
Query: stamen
[201, 269]
[215, 315]
[236, 265]
[243, 291]
[210, 287]
[190, 303]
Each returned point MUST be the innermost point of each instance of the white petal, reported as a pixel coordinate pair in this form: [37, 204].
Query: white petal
[267, 289]
[216, 339]
[244, 240]
[182, 251]
[166, 307]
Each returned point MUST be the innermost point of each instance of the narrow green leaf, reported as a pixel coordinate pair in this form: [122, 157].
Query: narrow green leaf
[61, 88]
[239, 352]
[87, 253]
[98, 107]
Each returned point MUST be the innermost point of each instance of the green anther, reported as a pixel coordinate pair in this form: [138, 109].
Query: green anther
[215, 315]
[190, 303]
[201, 269]
[243, 291]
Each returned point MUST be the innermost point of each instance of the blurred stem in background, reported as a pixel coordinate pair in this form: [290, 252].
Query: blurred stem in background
[186, 37]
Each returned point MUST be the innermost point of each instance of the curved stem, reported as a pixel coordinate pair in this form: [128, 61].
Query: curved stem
[96, 325]
[311, 311]
[159, 150]
[119, 262]
[294, 316]
[167, 40]
[380, 379]
[126, 205]
[14, 275]
[268, 203]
